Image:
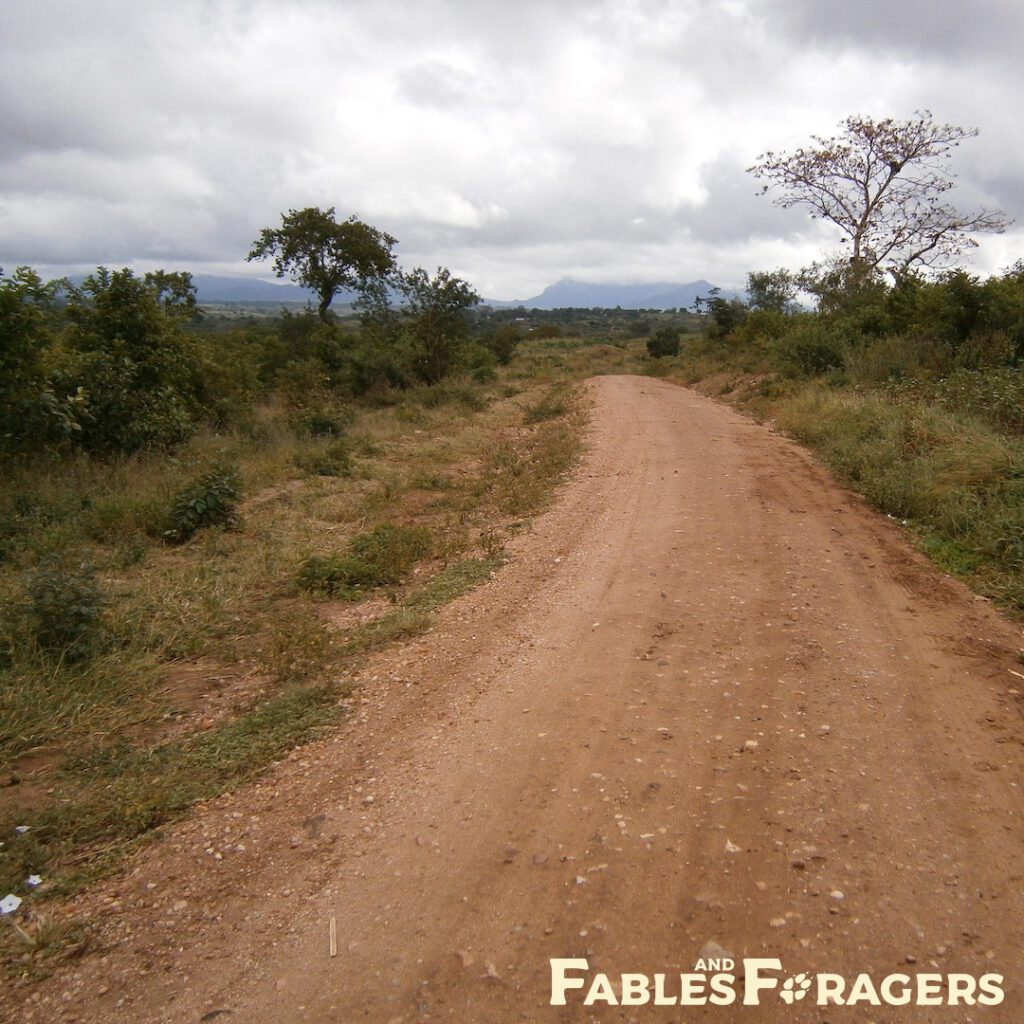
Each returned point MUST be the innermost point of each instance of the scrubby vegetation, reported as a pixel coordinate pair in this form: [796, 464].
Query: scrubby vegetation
[190, 502]
[913, 392]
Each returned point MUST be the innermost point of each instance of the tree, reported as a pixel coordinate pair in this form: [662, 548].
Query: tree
[30, 411]
[664, 342]
[325, 256]
[125, 349]
[437, 326]
[882, 183]
[773, 291]
[725, 315]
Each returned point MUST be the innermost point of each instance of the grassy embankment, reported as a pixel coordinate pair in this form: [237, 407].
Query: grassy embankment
[212, 658]
[939, 447]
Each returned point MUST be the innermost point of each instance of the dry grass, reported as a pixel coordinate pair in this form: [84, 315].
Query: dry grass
[102, 750]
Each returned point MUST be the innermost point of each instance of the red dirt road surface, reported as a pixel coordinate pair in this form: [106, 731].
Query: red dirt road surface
[712, 699]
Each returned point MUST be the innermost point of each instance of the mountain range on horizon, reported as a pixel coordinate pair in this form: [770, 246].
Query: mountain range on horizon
[568, 292]
[591, 295]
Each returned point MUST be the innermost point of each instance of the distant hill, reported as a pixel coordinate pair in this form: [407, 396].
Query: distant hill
[246, 289]
[588, 295]
[566, 293]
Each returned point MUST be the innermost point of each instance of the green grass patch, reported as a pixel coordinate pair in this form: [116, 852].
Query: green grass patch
[555, 402]
[116, 794]
[382, 556]
[453, 581]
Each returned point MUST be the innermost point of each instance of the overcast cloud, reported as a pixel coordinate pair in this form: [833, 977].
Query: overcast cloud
[515, 143]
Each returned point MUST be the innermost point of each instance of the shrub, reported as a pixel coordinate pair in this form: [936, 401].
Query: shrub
[391, 550]
[337, 575]
[209, 500]
[502, 342]
[457, 391]
[321, 423]
[898, 357]
[126, 349]
[436, 329]
[809, 348]
[64, 609]
[995, 395]
[546, 330]
[664, 342]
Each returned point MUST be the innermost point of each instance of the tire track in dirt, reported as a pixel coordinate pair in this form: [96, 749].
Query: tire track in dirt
[706, 645]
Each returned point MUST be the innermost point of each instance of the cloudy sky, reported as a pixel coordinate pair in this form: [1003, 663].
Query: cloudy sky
[514, 142]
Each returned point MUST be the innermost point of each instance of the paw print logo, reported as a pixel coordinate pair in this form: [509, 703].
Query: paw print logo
[795, 988]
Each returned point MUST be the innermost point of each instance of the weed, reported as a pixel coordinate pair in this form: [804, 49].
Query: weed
[391, 550]
[382, 556]
[452, 582]
[63, 612]
[150, 787]
[210, 500]
[337, 575]
[400, 624]
[552, 404]
[333, 460]
[296, 646]
[35, 947]
[99, 727]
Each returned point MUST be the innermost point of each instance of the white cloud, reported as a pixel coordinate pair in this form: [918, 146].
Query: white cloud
[516, 143]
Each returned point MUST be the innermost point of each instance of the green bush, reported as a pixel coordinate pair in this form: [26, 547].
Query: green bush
[321, 423]
[664, 342]
[810, 348]
[898, 357]
[30, 410]
[546, 330]
[995, 395]
[127, 351]
[64, 609]
[502, 342]
[337, 575]
[209, 500]
[453, 391]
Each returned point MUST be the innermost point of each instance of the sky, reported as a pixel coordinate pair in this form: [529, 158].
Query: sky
[515, 143]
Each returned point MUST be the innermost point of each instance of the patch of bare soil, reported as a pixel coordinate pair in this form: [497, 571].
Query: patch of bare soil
[200, 694]
[346, 616]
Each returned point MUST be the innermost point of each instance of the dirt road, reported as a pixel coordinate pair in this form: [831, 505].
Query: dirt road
[712, 698]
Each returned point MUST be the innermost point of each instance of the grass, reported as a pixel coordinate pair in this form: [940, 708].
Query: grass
[98, 753]
[383, 555]
[943, 455]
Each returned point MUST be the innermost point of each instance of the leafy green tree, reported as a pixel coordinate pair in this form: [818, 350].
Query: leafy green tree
[29, 407]
[126, 350]
[436, 325]
[771, 291]
[664, 342]
[321, 254]
[883, 184]
[720, 316]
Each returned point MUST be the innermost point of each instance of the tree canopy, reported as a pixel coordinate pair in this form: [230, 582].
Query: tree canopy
[437, 327]
[325, 255]
[883, 184]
